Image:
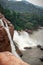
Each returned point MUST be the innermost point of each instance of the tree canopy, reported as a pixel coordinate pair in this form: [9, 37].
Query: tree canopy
[22, 20]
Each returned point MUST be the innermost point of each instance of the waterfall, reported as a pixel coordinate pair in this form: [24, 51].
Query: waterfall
[10, 38]
[23, 39]
[1, 23]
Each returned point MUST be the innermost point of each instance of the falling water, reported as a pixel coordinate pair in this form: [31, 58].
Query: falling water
[1, 23]
[9, 36]
[23, 39]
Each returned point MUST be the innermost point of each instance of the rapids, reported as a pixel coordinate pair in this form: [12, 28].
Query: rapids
[23, 39]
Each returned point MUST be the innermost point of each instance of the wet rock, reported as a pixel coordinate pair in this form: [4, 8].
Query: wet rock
[19, 52]
[29, 31]
[41, 59]
[4, 40]
[41, 48]
[38, 46]
[27, 47]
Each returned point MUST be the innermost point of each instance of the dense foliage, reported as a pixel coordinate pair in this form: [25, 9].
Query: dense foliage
[23, 20]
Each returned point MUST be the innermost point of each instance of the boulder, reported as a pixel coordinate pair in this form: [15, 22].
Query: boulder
[29, 31]
[38, 46]
[27, 47]
[7, 58]
[41, 48]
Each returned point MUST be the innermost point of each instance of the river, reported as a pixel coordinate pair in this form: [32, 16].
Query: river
[38, 36]
[33, 55]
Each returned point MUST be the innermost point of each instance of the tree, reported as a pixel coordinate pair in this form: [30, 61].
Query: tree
[7, 13]
[35, 24]
[29, 26]
[1, 9]
[18, 15]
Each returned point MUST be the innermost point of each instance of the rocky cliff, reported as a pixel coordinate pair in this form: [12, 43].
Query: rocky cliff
[6, 58]
[4, 40]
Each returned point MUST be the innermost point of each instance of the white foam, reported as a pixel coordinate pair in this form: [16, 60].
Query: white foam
[23, 40]
[1, 22]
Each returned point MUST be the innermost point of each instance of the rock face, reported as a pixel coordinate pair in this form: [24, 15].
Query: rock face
[4, 40]
[7, 58]
[11, 27]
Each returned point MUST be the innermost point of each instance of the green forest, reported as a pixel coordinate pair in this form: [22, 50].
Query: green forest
[29, 21]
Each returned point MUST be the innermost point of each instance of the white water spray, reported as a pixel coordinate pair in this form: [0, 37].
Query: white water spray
[23, 40]
[9, 36]
[1, 23]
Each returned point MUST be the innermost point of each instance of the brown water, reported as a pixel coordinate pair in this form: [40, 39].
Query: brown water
[32, 55]
[38, 36]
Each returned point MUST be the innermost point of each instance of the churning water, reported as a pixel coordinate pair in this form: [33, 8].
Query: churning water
[23, 39]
